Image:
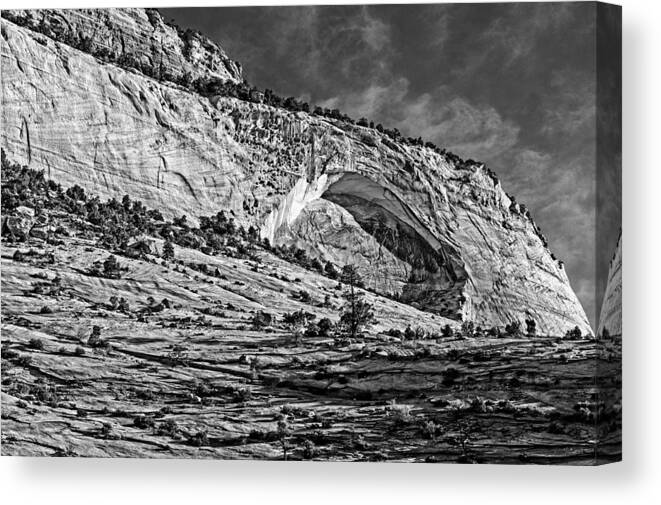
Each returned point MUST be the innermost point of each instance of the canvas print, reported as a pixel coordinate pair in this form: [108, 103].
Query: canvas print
[327, 233]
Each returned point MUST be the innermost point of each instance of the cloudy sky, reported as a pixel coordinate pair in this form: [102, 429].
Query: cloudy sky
[512, 85]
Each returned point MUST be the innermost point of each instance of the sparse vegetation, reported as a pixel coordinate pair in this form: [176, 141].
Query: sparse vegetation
[178, 355]
[468, 329]
[450, 375]
[344, 379]
[199, 439]
[513, 329]
[297, 322]
[36, 343]
[309, 449]
[261, 320]
[574, 334]
[531, 327]
[168, 250]
[447, 331]
[95, 339]
[168, 428]
[400, 414]
[119, 304]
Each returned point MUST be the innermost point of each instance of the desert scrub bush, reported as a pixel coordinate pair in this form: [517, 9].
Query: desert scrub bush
[45, 309]
[574, 334]
[24, 360]
[447, 331]
[395, 333]
[44, 393]
[584, 412]
[399, 414]
[79, 351]
[36, 343]
[325, 327]
[110, 268]
[205, 389]
[95, 339]
[513, 329]
[118, 304]
[168, 428]
[505, 406]
[296, 322]
[468, 329]
[330, 271]
[421, 333]
[199, 439]
[556, 428]
[8, 353]
[178, 355]
[304, 296]
[144, 394]
[106, 431]
[531, 327]
[430, 430]
[257, 435]
[450, 376]
[309, 449]
[241, 394]
[261, 320]
[143, 422]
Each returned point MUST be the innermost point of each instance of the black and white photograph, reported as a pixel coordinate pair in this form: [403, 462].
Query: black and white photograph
[340, 233]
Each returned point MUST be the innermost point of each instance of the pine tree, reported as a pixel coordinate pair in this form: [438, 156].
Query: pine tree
[351, 277]
[357, 314]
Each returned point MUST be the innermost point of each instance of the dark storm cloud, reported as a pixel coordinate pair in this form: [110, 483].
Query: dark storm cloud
[510, 84]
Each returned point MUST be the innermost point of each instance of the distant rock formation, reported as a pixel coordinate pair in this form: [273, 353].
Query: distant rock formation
[610, 317]
[441, 235]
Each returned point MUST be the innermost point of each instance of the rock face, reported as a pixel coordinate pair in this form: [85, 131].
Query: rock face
[610, 317]
[135, 37]
[444, 237]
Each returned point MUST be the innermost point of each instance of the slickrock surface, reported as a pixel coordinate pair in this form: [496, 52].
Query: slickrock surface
[445, 237]
[194, 379]
[611, 308]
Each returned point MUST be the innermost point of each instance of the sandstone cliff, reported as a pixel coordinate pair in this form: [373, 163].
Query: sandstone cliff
[444, 236]
[610, 317]
[135, 37]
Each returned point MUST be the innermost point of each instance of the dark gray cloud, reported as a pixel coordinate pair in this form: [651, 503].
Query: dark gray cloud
[512, 85]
